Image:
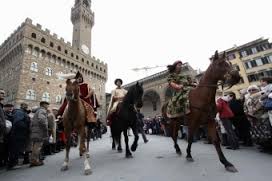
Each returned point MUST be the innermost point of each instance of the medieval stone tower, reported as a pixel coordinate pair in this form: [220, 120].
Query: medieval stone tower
[82, 18]
[32, 56]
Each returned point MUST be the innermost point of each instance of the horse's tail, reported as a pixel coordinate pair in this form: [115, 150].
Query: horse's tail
[164, 110]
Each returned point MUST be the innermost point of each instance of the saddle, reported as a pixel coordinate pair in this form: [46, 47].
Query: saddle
[90, 114]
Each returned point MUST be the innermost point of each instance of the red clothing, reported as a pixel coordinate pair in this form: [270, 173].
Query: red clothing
[84, 91]
[223, 109]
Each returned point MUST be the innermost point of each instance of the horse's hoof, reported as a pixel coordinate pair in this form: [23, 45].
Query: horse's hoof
[231, 169]
[88, 155]
[64, 168]
[120, 150]
[113, 148]
[179, 152]
[189, 159]
[129, 155]
[88, 171]
[134, 147]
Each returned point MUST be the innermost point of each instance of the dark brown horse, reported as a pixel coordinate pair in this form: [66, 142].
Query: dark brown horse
[74, 118]
[203, 107]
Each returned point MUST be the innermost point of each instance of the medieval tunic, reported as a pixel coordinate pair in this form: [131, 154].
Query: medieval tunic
[178, 105]
[116, 93]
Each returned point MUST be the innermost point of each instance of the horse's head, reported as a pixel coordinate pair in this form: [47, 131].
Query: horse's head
[137, 92]
[72, 90]
[222, 70]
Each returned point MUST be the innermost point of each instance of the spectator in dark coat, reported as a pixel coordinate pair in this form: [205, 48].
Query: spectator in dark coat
[2, 128]
[18, 135]
[8, 112]
[240, 120]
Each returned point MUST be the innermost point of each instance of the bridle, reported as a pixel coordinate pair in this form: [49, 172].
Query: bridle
[71, 97]
[228, 74]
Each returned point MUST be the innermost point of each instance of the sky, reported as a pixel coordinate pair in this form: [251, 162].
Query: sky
[147, 33]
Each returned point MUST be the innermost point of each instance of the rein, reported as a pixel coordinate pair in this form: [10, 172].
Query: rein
[211, 85]
[208, 85]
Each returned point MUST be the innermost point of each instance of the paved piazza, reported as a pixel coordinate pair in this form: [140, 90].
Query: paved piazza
[155, 161]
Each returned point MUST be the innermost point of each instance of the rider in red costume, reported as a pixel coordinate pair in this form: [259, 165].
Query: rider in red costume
[86, 94]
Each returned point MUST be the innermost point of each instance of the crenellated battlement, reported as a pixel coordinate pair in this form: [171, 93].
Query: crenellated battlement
[32, 44]
[12, 35]
[61, 40]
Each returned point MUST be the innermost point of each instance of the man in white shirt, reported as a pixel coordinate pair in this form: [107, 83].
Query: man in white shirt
[117, 96]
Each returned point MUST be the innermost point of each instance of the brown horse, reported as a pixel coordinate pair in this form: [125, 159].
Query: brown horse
[74, 118]
[203, 107]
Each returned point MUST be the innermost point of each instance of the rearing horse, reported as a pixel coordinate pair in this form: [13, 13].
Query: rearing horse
[203, 107]
[74, 118]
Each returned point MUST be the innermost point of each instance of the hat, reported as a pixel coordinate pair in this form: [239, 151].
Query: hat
[171, 68]
[116, 80]
[78, 74]
[177, 62]
[8, 105]
[44, 102]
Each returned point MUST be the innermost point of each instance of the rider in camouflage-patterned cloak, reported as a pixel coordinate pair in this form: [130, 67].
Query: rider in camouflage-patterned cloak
[180, 84]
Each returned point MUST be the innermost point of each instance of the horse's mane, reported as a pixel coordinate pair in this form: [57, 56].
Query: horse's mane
[127, 99]
[208, 72]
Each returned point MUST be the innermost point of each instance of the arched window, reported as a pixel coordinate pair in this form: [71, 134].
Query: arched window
[58, 61]
[35, 52]
[28, 49]
[30, 94]
[48, 71]
[46, 97]
[59, 48]
[42, 54]
[51, 44]
[63, 62]
[34, 67]
[43, 40]
[58, 99]
[53, 59]
[33, 35]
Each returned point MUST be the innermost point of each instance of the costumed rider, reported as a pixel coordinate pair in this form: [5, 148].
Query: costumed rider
[86, 94]
[117, 96]
[180, 84]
